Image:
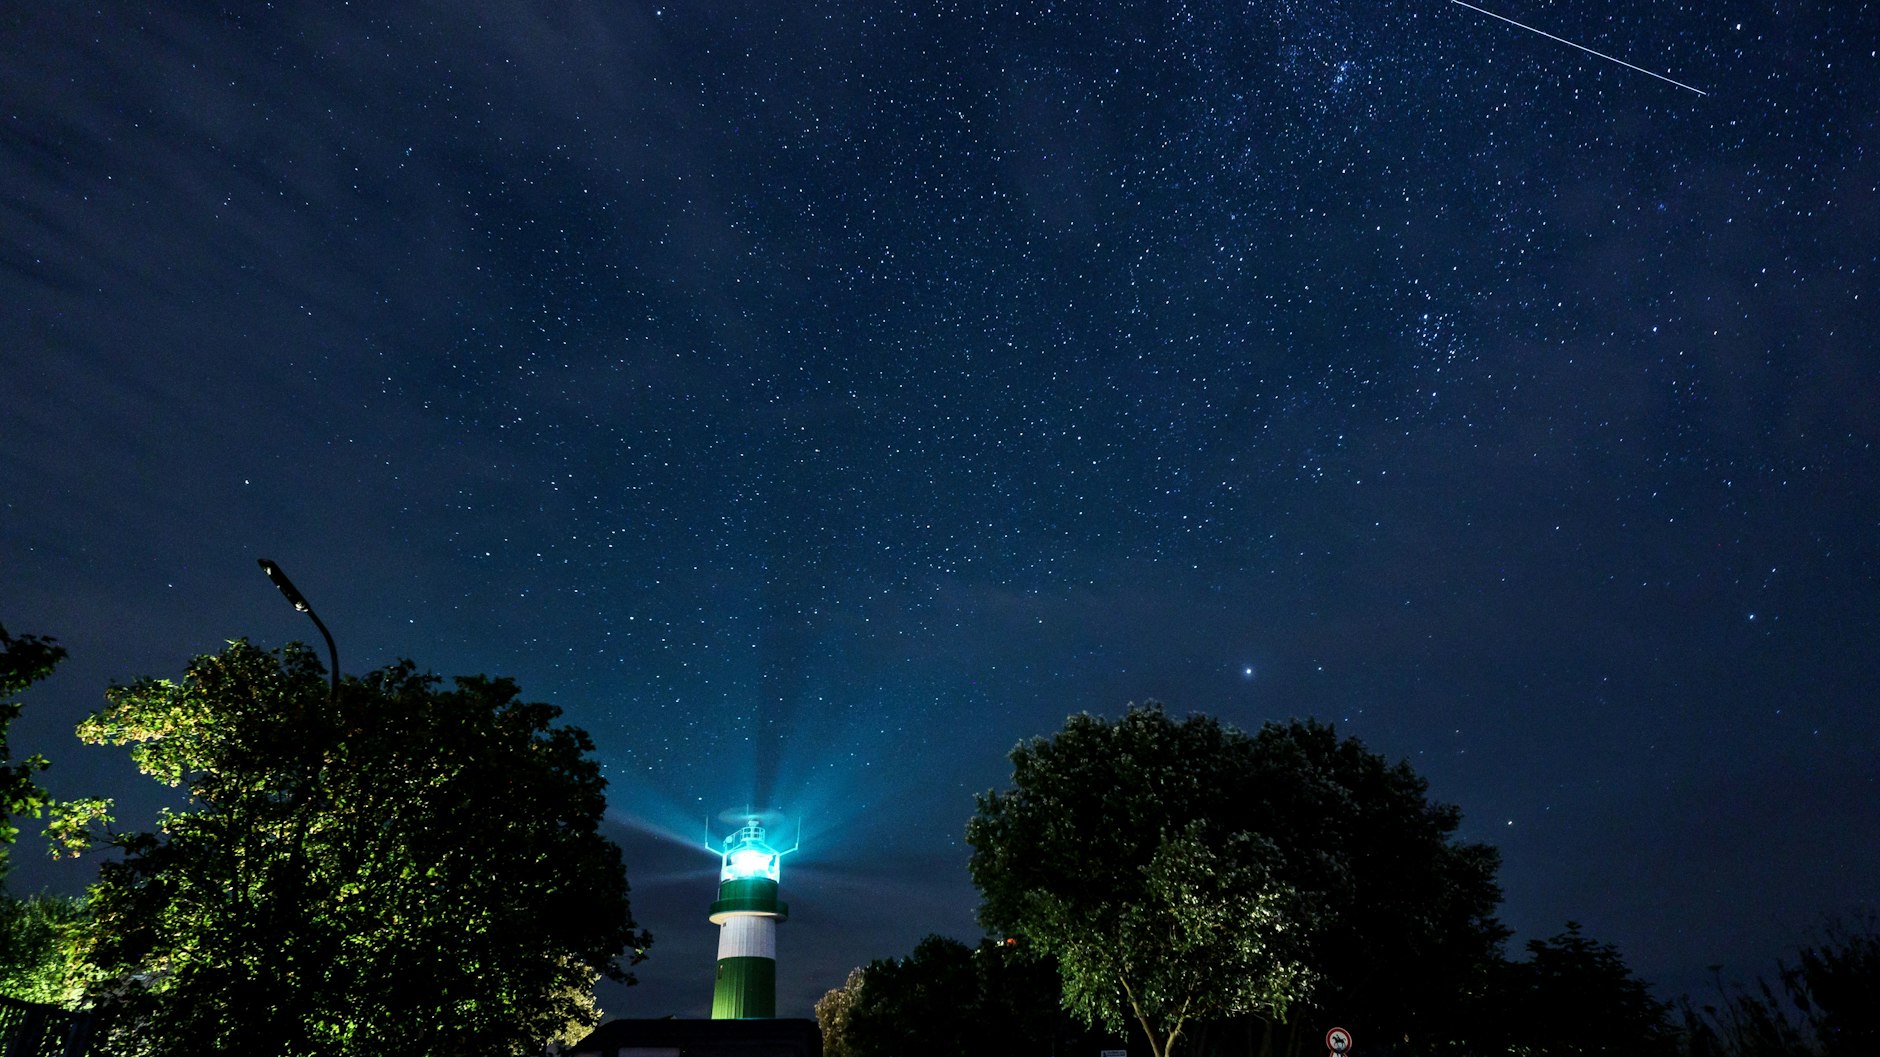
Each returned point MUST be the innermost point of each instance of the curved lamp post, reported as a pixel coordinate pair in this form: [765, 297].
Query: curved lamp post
[300, 602]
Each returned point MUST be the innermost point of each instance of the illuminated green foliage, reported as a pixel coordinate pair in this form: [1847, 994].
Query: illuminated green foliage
[39, 961]
[402, 868]
[38, 958]
[1212, 934]
[833, 1012]
[1189, 874]
[1120, 852]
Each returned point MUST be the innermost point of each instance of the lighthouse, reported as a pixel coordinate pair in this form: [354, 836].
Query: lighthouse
[747, 912]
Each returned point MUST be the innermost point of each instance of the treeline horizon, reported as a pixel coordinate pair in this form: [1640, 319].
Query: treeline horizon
[1169, 883]
[1208, 891]
[1782, 1012]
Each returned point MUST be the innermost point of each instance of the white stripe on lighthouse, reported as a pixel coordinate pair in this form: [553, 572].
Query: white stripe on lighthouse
[748, 936]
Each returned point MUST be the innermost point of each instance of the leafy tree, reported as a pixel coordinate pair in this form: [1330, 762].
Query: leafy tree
[1575, 996]
[38, 960]
[921, 1006]
[832, 1015]
[945, 999]
[23, 662]
[1410, 946]
[1121, 852]
[394, 867]
[1185, 871]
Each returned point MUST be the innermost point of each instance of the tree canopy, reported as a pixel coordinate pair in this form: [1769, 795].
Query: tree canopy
[1184, 871]
[395, 867]
[944, 999]
[37, 960]
[23, 662]
[1116, 853]
[1575, 996]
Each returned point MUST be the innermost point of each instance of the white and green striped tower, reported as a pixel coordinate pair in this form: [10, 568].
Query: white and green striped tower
[747, 912]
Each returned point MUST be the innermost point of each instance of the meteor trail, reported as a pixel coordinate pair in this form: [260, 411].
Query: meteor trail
[1582, 47]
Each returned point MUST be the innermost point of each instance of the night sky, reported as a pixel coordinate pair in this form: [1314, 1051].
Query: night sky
[813, 399]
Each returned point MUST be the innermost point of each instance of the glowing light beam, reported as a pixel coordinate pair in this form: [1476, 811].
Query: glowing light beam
[1582, 47]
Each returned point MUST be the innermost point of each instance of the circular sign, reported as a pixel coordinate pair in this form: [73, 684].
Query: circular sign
[1338, 1040]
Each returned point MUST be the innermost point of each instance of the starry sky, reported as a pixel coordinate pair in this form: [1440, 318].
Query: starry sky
[816, 399]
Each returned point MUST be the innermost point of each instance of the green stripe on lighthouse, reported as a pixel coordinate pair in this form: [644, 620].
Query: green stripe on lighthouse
[746, 989]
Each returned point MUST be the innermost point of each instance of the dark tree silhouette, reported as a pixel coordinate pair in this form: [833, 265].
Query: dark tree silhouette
[947, 999]
[1825, 1004]
[23, 662]
[1575, 996]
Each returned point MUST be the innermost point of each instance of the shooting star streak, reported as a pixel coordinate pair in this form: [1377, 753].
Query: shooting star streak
[1583, 48]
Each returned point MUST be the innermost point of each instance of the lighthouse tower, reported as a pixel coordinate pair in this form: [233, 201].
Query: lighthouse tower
[746, 913]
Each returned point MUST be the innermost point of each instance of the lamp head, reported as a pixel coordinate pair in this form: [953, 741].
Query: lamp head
[286, 586]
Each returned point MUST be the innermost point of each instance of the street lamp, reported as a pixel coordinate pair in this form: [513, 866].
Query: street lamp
[299, 602]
